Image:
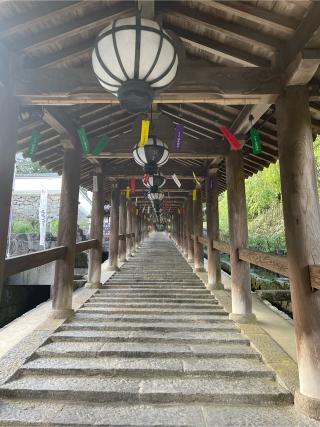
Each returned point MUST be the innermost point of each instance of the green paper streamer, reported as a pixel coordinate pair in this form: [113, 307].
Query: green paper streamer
[113, 195]
[255, 141]
[102, 143]
[35, 138]
[84, 141]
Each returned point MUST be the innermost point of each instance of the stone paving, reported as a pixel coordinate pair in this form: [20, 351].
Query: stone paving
[153, 347]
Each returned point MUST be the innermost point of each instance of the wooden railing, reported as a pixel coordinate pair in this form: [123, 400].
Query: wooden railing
[275, 263]
[20, 263]
[86, 245]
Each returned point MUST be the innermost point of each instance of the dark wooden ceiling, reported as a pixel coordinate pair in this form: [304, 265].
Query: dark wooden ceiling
[280, 36]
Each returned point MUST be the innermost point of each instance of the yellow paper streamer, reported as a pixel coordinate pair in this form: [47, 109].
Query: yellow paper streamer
[194, 194]
[144, 132]
[196, 179]
[128, 193]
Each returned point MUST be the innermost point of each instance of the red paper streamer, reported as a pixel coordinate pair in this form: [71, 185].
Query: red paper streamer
[235, 144]
[146, 178]
[133, 185]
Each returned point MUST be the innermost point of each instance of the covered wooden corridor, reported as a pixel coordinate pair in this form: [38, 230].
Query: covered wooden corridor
[231, 87]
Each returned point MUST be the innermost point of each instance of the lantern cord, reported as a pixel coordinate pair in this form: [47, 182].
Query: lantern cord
[263, 122]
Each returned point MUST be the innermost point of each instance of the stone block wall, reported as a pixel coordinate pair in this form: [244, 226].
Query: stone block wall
[26, 206]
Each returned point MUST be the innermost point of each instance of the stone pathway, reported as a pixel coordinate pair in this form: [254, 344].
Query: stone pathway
[153, 347]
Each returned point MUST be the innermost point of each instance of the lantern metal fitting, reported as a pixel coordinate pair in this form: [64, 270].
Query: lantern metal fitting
[156, 179]
[132, 58]
[152, 155]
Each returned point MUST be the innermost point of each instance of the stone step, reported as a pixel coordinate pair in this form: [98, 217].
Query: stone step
[149, 320]
[164, 327]
[166, 305]
[34, 412]
[192, 388]
[214, 310]
[132, 349]
[173, 292]
[146, 367]
[153, 286]
[151, 336]
[107, 299]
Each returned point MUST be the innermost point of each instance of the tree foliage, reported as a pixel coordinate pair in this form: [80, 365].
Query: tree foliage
[264, 206]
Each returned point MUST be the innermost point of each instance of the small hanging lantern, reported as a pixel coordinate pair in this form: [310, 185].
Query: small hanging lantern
[155, 196]
[152, 155]
[132, 58]
[155, 180]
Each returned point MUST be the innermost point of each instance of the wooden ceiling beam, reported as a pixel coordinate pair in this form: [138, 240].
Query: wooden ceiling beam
[257, 15]
[96, 20]
[232, 29]
[173, 156]
[43, 12]
[217, 48]
[219, 84]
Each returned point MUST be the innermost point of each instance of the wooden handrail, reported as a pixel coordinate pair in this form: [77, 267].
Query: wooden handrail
[86, 245]
[277, 264]
[221, 246]
[203, 241]
[314, 271]
[25, 262]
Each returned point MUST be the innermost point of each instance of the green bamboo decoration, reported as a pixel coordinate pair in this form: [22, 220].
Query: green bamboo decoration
[35, 138]
[102, 143]
[84, 141]
[255, 141]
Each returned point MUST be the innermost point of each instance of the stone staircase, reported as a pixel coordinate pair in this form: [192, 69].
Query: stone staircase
[153, 347]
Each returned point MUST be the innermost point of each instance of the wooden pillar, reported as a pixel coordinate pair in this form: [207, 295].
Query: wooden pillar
[214, 267]
[190, 229]
[198, 231]
[237, 212]
[68, 214]
[185, 234]
[122, 226]
[96, 230]
[129, 248]
[181, 230]
[8, 138]
[114, 231]
[302, 226]
[135, 227]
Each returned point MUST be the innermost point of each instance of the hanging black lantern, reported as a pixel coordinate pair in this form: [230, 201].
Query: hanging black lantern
[132, 58]
[152, 155]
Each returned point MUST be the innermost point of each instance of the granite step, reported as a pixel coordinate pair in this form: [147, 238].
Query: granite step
[145, 305]
[147, 300]
[147, 319]
[173, 292]
[147, 367]
[63, 414]
[226, 350]
[164, 327]
[150, 336]
[188, 389]
[214, 310]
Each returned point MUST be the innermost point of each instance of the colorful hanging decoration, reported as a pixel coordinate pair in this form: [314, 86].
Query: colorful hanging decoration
[128, 192]
[165, 204]
[196, 179]
[33, 145]
[255, 141]
[113, 195]
[145, 124]
[210, 183]
[84, 141]
[146, 178]
[176, 180]
[235, 144]
[179, 136]
[101, 145]
[194, 194]
[133, 185]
